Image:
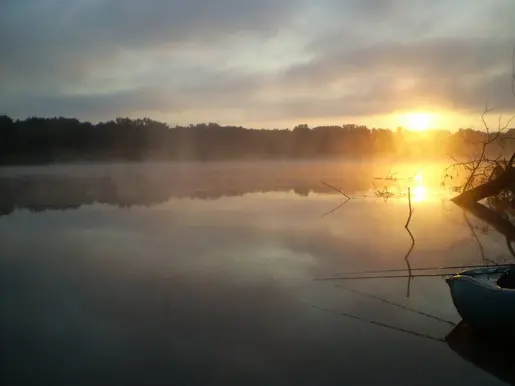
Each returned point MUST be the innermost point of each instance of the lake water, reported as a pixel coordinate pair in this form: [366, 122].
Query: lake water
[203, 274]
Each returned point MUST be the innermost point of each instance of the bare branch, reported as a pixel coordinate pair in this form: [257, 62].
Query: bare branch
[483, 119]
[335, 188]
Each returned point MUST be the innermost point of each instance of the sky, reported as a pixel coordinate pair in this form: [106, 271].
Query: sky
[258, 63]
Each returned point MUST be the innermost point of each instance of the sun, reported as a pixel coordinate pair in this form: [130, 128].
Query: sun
[417, 121]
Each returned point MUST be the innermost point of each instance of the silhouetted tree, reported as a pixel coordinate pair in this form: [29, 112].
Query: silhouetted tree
[45, 140]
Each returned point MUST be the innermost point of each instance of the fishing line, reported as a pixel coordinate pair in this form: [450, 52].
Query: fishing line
[395, 304]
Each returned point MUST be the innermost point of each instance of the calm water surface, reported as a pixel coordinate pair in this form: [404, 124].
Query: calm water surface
[202, 274]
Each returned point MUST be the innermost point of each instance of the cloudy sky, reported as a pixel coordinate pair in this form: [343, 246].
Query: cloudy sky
[261, 63]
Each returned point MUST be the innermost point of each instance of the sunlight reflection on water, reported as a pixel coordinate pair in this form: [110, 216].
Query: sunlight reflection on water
[170, 273]
[419, 193]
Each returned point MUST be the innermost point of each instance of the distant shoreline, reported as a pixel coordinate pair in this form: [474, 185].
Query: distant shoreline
[114, 162]
[48, 141]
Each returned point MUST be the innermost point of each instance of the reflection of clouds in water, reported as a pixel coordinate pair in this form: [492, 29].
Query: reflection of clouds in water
[217, 286]
[128, 185]
[268, 261]
[193, 328]
[254, 232]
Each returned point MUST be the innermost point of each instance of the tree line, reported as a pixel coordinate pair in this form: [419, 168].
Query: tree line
[46, 140]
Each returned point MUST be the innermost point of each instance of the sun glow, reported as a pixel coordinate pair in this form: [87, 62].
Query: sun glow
[417, 121]
[419, 193]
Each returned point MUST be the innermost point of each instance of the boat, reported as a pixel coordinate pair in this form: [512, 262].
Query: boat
[481, 302]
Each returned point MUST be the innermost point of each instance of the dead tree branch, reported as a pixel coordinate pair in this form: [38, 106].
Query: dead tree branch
[335, 188]
[338, 206]
[492, 187]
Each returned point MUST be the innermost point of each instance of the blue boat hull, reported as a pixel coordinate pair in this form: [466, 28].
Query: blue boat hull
[482, 303]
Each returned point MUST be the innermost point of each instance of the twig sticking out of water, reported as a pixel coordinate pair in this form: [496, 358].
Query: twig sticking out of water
[410, 209]
[338, 206]
[335, 188]
[385, 194]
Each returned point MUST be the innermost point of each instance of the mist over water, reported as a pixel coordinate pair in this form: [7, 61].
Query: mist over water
[201, 273]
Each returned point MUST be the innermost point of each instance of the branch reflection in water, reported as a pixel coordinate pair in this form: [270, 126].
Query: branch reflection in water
[347, 199]
[406, 258]
[493, 354]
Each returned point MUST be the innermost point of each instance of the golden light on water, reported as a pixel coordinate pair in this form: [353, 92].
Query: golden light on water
[418, 193]
[422, 179]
